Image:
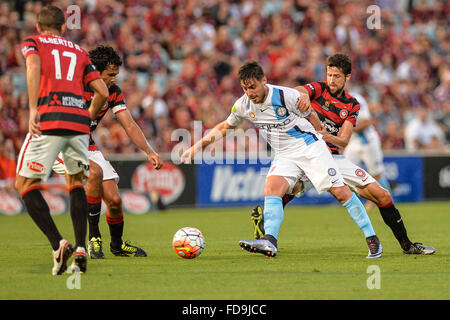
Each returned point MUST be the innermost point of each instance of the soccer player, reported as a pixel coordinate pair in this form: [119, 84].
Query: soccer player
[299, 150]
[103, 179]
[364, 146]
[56, 71]
[338, 111]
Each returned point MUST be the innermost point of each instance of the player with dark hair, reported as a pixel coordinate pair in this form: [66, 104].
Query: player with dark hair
[57, 71]
[338, 111]
[103, 179]
[298, 148]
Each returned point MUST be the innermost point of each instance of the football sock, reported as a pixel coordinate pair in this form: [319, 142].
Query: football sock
[116, 230]
[273, 215]
[287, 198]
[39, 211]
[393, 219]
[95, 206]
[79, 213]
[359, 215]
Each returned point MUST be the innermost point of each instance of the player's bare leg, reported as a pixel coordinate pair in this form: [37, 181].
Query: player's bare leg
[114, 218]
[369, 205]
[94, 191]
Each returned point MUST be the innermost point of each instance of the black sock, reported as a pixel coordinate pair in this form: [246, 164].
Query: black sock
[95, 206]
[393, 219]
[116, 230]
[39, 211]
[287, 198]
[79, 213]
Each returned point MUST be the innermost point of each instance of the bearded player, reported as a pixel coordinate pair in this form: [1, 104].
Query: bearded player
[338, 111]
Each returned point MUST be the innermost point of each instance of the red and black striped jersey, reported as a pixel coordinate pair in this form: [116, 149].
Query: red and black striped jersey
[116, 102]
[65, 70]
[332, 111]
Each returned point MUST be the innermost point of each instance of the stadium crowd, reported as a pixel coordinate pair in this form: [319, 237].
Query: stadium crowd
[181, 59]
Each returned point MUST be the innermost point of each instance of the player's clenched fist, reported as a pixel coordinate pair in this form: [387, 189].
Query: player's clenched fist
[303, 103]
[155, 160]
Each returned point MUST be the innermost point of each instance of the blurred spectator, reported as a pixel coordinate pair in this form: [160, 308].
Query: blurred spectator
[7, 163]
[393, 137]
[423, 133]
[181, 58]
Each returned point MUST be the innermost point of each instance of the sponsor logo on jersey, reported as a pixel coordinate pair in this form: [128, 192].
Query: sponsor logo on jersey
[269, 126]
[55, 101]
[72, 102]
[35, 166]
[332, 172]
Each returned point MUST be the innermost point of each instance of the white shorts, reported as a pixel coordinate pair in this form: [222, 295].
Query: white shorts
[316, 163]
[369, 153]
[38, 154]
[96, 156]
[353, 175]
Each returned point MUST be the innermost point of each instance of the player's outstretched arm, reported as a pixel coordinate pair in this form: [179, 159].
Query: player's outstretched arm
[101, 95]
[137, 136]
[217, 133]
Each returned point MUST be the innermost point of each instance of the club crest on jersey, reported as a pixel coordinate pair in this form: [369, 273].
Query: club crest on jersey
[343, 114]
[360, 173]
[332, 172]
[326, 105]
[252, 114]
[281, 111]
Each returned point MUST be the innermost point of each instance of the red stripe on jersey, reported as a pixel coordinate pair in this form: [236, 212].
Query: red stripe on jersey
[91, 76]
[314, 89]
[59, 124]
[71, 110]
[336, 109]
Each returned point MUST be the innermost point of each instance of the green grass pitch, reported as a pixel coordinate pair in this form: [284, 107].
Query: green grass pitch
[322, 255]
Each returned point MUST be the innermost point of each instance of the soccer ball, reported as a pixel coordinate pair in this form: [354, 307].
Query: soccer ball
[188, 242]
